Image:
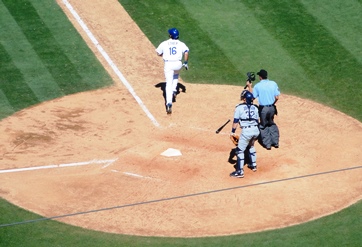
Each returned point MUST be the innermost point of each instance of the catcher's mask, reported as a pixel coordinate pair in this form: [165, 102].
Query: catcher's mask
[245, 94]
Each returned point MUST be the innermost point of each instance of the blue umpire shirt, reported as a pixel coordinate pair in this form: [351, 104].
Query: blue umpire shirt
[265, 91]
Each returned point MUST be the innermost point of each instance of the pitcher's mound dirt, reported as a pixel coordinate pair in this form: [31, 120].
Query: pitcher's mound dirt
[107, 162]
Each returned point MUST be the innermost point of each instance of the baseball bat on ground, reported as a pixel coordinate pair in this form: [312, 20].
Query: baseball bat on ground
[222, 126]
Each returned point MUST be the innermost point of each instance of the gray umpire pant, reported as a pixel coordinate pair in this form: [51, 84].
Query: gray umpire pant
[269, 131]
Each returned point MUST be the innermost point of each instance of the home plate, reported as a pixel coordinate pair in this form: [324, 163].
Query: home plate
[171, 152]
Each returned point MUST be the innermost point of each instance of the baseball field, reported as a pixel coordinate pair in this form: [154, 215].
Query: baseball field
[84, 128]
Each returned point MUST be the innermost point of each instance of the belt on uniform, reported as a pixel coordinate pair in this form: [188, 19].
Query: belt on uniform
[266, 105]
[171, 60]
[244, 127]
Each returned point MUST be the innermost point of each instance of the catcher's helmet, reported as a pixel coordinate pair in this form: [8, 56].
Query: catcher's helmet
[245, 94]
[173, 32]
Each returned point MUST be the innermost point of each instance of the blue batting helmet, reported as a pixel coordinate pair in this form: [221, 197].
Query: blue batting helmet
[173, 32]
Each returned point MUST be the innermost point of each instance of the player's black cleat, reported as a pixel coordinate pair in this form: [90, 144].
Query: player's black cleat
[169, 108]
[253, 168]
[237, 174]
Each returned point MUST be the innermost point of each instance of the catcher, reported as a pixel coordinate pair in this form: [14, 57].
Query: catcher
[246, 115]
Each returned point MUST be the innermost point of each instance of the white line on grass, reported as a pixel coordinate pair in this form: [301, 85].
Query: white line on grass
[106, 162]
[110, 62]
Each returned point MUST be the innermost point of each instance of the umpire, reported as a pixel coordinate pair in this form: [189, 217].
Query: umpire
[267, 92]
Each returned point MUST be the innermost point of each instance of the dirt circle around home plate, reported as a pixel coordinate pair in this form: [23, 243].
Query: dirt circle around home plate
[96, 157]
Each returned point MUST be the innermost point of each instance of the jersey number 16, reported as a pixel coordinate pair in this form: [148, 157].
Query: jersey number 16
[173, 50]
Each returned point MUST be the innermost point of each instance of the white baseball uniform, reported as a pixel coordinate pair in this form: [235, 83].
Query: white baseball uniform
[172, 51]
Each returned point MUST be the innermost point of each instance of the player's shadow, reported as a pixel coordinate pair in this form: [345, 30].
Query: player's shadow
[233, 159]
[162, 86]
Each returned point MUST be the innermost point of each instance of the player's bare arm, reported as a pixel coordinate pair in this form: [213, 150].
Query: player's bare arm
[186, 56]
[249, 86]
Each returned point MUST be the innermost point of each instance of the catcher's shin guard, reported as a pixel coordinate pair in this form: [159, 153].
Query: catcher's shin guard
[252, 155]
[239, 164]
[240, 159]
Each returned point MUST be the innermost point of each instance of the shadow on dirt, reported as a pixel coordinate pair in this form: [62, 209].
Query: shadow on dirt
[162, 86]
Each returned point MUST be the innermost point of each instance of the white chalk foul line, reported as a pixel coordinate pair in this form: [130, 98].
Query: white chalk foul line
[106, 162]
[137, 175]
[110, 62]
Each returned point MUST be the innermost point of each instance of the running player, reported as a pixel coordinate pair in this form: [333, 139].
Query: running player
[172, 51]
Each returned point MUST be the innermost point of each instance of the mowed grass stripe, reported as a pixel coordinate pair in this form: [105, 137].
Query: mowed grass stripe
[44, 44]
[203, 54]
[12, 83]
[304, 37]
[343, 19]
[6, 109]
[325, 60]
[243, 40]
[88, 66]
[26, 60]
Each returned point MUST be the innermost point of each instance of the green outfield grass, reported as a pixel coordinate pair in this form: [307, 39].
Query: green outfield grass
[42, 56]
[311, 48]
[340, 229]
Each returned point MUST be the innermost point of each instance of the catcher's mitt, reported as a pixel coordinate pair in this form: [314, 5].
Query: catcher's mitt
[234, 139]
